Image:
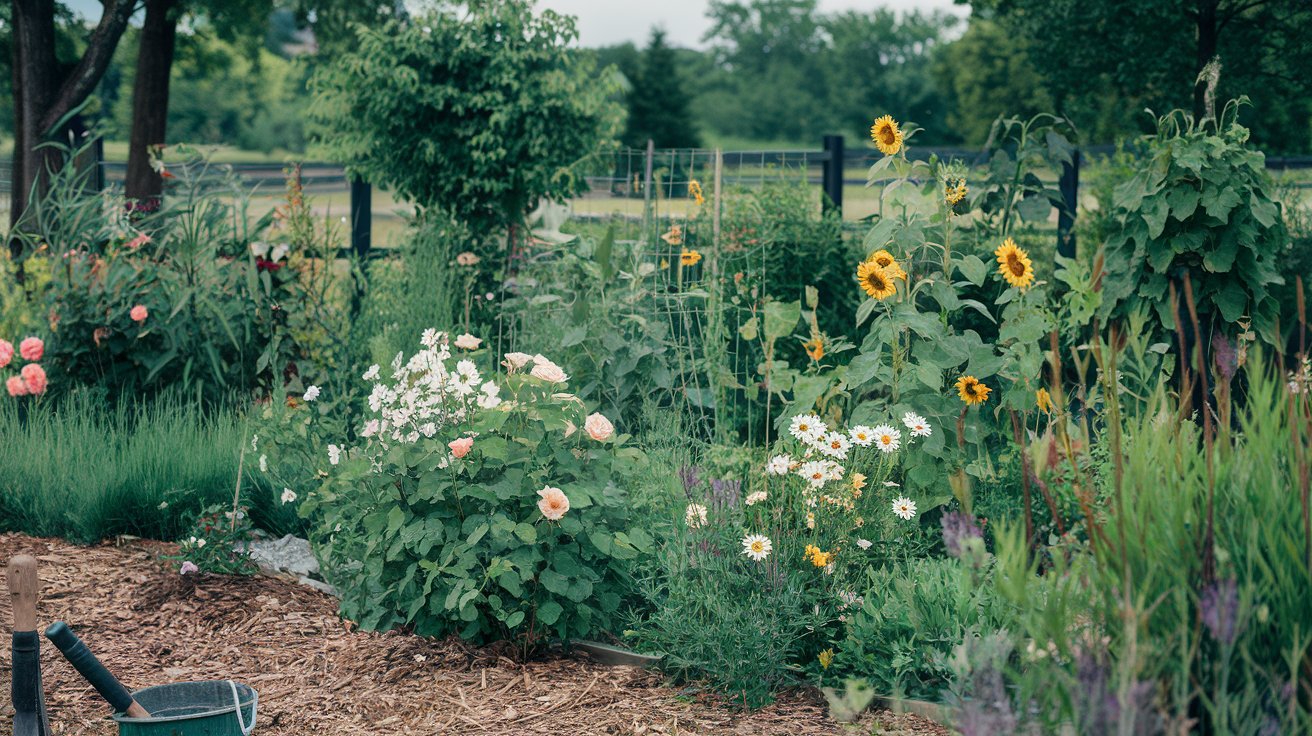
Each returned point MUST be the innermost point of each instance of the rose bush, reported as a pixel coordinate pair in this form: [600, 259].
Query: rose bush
[481, 505]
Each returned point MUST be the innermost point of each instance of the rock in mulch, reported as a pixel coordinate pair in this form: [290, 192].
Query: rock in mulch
[317, 674]
[289, 555]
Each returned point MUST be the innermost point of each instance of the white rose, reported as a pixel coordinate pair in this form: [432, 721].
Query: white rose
[549, 371]
[468, 342]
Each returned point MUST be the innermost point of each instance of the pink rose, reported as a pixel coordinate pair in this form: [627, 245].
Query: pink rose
[548, 371]
[462, 446]
[598, 427]
[6, 352]
[188, 568]
[16, 386]
[553, 504]
[139, 313]
[32, 348]
[34, 377]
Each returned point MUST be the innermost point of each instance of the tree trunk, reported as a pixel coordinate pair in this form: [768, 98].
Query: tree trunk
[150, 100]
[1208, 31]
[36, 82]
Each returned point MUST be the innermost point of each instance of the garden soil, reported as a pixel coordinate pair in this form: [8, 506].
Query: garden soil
[317, 674]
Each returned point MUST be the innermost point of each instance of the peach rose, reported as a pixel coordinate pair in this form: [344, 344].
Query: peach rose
[598, 427]
[139, 313]
[16, 386]
[32, 349]
[548, 371]
[6, 352]
[515, 361]
[462, 446]
[34, 377]
[468, 342]
[553, 504]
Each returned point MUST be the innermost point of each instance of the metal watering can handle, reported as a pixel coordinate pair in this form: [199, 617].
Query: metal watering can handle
[236, 703]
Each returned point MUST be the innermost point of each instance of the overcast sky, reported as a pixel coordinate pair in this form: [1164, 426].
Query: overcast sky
[605, 22]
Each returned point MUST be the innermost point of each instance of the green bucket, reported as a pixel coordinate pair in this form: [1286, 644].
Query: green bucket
[211, 708]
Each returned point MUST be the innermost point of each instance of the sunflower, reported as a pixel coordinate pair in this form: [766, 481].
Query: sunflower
[815, 347]
[954, 191]
[690, 257]
[695, 191]
[886, 261]
[971, 390]
[886, 135]
[1014, 264]
[875, 281]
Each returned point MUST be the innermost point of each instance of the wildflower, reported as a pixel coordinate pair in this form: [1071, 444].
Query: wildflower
[1218, 606]
[917, 424]
[1014, 264]
[188, 568]
[674, 236]
[863, 543]
[695, 516]
[264, 463]
[695, 191]
[817, 557]
[200, 543]
[778, 465]
[904, 508]
[757, 546]
[815, 348]
[6, 352]
[755, 498]
[139, 313]
[886, 261]
[690, 257]
[886, 135]
[887, 439]
[862, 436]
[372, 373]
[516, 361]
[598, 427]
[858, 482]
[468, 342]
[255, 443]
[467, 259]
[288, 495]
[461, 447]
[810, 518]
[690, 477]
[32, 349]
[959, 528]
[954, 191]
[311, 393]
[1043, 400]
[553, 504]
[815, 472]
[15, 386]
[972, 391]
[334, 454]
[141, 240]
[807, 427]
[876, 283]
[834, 444]
[826, 658]
[34, 377]
[548, 371]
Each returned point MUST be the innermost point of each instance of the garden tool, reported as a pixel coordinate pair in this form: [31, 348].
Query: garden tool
[93, 671]
[28, 696]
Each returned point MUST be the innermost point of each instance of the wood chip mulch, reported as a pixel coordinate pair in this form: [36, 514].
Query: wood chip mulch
[316, 675]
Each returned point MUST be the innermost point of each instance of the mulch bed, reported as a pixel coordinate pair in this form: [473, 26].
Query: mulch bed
[317, 675]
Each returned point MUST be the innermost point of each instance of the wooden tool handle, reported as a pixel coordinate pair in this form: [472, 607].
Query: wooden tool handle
[23, 589]
[95, 673]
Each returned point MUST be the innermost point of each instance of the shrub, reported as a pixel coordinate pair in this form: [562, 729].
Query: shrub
[484, 508]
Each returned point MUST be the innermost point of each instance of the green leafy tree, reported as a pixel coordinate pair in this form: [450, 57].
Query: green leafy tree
[987, 73]
[659, 100]
[479, 110]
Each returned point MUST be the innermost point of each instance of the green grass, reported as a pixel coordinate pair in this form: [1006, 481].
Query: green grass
[79, 471]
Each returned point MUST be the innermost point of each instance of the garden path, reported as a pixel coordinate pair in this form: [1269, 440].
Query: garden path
[318, 675]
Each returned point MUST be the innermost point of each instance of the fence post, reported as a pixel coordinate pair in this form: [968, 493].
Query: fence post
[833, 175]
[362, 217]
[1069, 184]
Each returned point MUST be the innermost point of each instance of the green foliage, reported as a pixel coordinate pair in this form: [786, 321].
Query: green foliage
[1199, 204]
[478, 111]
[214, 542]
[413, 534]
[988, 74]
[658, 100]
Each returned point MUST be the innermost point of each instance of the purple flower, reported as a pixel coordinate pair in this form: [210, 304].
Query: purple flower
[189, 567]
[1223, 353]
[958, 529]
[690, 476]
[725, 494]
[1218, 606]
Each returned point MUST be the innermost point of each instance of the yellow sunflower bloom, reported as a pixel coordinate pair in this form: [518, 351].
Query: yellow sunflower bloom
[955, 191]
[695, 191]
[815, 348]
[886, 135]
[886, 261]
[972, 391]
[875, 281]
[1014, 264]
[689, 257]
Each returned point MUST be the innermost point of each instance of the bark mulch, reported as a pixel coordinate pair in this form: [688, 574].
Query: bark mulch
[317, 675]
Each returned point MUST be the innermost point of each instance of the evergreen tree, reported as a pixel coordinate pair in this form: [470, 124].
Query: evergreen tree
[658, 100]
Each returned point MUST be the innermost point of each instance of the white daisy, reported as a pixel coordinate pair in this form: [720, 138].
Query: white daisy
[311, 393]
[755, 498]
[756, 546]
[807, 427]
[695, 516]
[862, 435]
[917, 424]
[904, 507]
[834, 445]
[887, 439]
[778, 465]
[815, 472]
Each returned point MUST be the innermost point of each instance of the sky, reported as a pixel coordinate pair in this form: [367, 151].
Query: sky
[606, 22]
